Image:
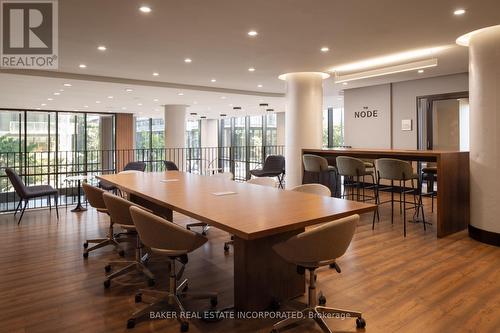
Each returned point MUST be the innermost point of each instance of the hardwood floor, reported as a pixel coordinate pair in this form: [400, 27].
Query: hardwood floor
[417, 284]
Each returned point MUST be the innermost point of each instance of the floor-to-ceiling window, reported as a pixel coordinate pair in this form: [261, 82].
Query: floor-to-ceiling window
[193, 143]
[333, 127]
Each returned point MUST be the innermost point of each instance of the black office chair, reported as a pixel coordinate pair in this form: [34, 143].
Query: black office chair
[274, 166]
[170, 166]
[107, 186]
[26, 193]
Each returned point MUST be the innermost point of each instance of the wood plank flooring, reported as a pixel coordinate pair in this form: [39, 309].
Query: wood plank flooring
[418, 284]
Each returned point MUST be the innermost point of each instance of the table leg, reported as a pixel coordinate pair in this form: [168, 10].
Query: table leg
[261, 276]
[79, 207]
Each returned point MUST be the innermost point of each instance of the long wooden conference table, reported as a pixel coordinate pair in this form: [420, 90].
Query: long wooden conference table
[453, 212]
[257, 216]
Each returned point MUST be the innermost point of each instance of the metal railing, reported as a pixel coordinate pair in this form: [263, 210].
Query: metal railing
[52, 168]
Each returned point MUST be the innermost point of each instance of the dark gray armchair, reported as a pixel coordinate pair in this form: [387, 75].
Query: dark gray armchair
[138, 166]
[26, 193]
[170, 166]
[274, 166]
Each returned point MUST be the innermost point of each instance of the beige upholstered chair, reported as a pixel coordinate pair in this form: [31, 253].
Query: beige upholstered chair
[310, 250]
[354, 171]
[167, 239]
[203, 225]
[263, 181]
[313, 189]
[317, 170]
[119, 212]
[401, 171]
[95, 198]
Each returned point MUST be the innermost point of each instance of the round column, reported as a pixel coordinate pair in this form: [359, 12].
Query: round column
[484, 92]
[175, 126]
[303, 120]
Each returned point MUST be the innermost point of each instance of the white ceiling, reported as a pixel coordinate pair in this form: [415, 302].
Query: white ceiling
[214, 35]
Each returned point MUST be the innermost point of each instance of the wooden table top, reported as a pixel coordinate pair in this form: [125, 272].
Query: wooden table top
[398, 152]
[254, 211]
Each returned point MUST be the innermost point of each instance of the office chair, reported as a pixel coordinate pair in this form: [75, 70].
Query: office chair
[136, 166]
[170, 166]
[310, 250]
[319, 172]
[167, 239]
[119, 212]
[274, 166]
[26, 193]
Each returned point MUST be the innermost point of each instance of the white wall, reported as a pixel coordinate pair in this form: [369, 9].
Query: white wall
[402, 102]
[368, 132]
[280, 131]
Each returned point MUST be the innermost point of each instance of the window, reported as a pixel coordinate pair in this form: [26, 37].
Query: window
[142, 133]
[333, 127]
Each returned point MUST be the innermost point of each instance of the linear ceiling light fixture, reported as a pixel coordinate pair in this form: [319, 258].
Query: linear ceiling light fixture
[412, 66]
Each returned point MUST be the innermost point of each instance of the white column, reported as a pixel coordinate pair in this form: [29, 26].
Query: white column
[303, 119]
[280, 128]
[175, 126]
[484, 92]
[209, 133]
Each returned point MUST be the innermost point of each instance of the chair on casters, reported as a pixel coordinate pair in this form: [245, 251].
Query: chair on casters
[119, 212]
[402, 171]
[168, 239]
[203, 225]
[320, 172]
[274, 166]
[310, 250]
[263, 181]
[170, 166]
[26, 193]
[136, 166]
[95, 198]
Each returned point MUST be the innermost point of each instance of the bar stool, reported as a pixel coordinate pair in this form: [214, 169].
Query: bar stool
[429, 175]
[321, 172]
[402, 171]
[354, 171]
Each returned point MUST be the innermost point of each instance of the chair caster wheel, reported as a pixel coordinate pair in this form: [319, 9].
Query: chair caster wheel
[226, 248]
[131, 323]
[107, 268]
[85, 245]
[184, 326]
[85, 255]
[138, 298]
[188, 228]
[322, 300]
[185, 287]
[360, 323]
[107, 284]
[151, 282]
[213, 301]
[121, 253]
[204, 233]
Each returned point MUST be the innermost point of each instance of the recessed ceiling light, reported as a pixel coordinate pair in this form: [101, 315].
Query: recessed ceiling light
[203, 117]
[156, 74]
[98, 102]
[67, 85]
[82, 66]
[195, 102]
[86, 106]
[101, 48]
[37, 108]
[325, 49]
[124, 108]
[139, 104]
[252, 33]
[180, 94]
[420, 71]
[344, 83]
[223, 114]
[188, 60]
[223, 97]
[251, 69]
[270, 110]
[459, 12]
[50, 99]
[145, 9]
[193, 113]
[237, 108]
[129, 90]
[259, 86]
[43, 104]
[155, 100]
[57, 93]
[110, 97]
[213, 80]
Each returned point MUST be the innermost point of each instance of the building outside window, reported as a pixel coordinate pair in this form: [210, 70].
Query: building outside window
[333, 127]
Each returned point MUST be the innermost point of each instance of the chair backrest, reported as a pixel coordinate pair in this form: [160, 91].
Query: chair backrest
[264, 181]
[224, 175]
[394, 169]
[350, 166]
[321, 244]
[313, 189]
[17, 182]
[274, 163]
[94, 196]
[164, 236]
[139, 166]
[170, 166]
[118, 208]
[314, 163]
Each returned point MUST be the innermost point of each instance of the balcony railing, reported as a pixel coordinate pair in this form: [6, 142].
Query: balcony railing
[42, 168]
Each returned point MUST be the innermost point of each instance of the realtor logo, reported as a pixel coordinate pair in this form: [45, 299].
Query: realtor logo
[29, 38]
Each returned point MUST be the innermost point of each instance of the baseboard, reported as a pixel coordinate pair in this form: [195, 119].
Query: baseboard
[484, 236]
